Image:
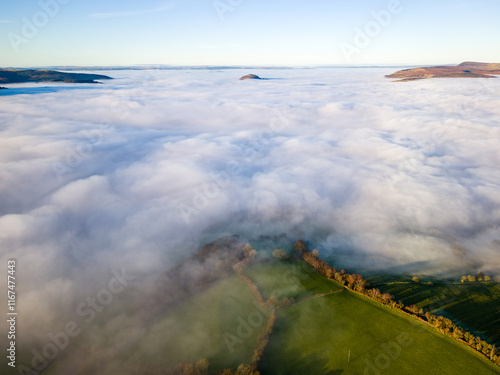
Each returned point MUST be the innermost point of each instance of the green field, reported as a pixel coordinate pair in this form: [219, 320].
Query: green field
[289, 279]
[314, 337]
[476, 307]
[195, 329]
[338, 333]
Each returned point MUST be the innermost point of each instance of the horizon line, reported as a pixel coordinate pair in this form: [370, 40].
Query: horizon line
[222, 66]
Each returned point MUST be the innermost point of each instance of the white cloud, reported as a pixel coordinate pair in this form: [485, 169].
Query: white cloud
[376, 173]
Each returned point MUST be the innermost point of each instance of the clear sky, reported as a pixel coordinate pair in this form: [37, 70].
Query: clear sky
[249, 32]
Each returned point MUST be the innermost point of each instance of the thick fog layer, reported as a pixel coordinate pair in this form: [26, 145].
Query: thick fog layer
[136, 173]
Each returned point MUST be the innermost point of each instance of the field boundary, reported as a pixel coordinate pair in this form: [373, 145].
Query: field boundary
[318, 265]
[254, 289]
[317, 296]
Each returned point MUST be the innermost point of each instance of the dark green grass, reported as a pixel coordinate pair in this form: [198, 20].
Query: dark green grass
[289, 279]
[314, 337]
[475, 307]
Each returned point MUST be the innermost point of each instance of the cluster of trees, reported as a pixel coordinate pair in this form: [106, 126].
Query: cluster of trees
[273, 303]
[416, 280]
[281, 254]
[358, 284]
[479, 278]
[187, 368]
[242, 370]
[300, 247]
[249, 253]
[351, 281]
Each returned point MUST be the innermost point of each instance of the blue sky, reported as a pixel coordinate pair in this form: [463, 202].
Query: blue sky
[250, 32]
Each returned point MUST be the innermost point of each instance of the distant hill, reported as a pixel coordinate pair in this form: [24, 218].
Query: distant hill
[481, 66]
[250, 76]
[468, 69]
[21, 76]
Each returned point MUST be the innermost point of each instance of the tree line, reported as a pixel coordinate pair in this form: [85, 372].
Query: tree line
[358, 284]
[479, 278]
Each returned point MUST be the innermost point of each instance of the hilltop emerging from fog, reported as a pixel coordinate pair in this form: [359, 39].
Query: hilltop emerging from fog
[466, 69]
[21, 76]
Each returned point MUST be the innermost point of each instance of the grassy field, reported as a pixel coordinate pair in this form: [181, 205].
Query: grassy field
[475, 307]
[195, 329]
[314, 337]
[310, 337]
[341, 332]
[289, 279]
